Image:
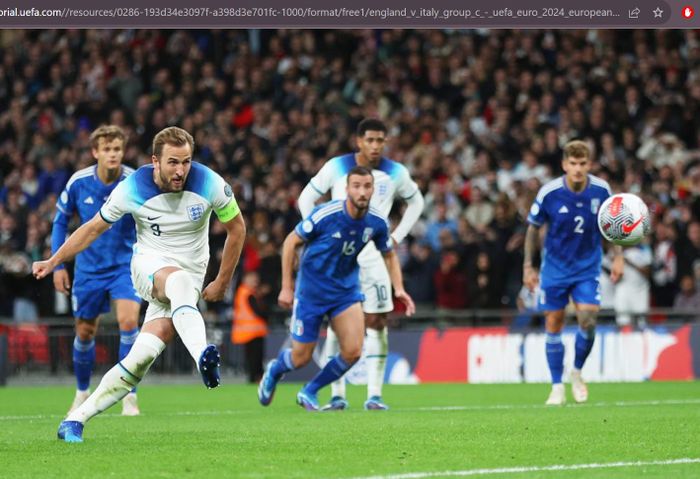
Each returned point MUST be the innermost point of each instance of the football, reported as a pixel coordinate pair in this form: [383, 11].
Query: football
[623, 219]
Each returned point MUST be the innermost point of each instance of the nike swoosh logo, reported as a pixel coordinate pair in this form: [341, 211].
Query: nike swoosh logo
[154, 218]
[628, 228]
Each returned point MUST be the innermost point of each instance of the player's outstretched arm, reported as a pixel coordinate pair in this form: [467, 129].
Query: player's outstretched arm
[235, 237]
[618, 265]
[394, 268]
[289, 249]
[77, 242]
[530, 278]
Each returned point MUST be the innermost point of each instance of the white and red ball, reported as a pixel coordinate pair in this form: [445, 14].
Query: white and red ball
[623, 219]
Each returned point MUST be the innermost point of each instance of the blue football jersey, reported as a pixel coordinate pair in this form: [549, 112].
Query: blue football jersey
[572, 247]
[85, 194]
[328, 269]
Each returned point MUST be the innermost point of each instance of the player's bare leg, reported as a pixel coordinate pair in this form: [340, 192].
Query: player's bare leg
[554, 348]
[128, 319]
[83, 358]
[121, 379]
[349, 327]
[376, 349]
[586, 315]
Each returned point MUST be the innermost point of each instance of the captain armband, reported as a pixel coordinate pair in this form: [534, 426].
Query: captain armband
[228, 212]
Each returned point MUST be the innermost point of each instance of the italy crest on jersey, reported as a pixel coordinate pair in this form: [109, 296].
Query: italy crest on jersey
[195, 212]
[595, 204]
[367, 234]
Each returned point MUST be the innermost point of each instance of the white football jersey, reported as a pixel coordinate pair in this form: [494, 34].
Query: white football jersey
[173, 225]
[392, 181]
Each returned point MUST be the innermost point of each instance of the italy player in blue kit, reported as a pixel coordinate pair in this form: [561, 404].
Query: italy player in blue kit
[328, 284]
[570, 262]
[99, 277]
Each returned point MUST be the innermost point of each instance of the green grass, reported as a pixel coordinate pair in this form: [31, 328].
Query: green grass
[187, 431]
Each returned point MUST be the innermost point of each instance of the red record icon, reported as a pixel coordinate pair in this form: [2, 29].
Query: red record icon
[688, 12]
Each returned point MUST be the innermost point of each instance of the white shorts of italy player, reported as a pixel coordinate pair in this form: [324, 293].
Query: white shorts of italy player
[375, 281]
[144, 265]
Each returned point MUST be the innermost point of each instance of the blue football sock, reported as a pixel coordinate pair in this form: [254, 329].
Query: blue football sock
[555, 356]
[584, 344]
[283, 363]
[83, 361]
[334, 369]
[126, 340]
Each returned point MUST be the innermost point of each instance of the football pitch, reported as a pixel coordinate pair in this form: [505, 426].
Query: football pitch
[640, 430]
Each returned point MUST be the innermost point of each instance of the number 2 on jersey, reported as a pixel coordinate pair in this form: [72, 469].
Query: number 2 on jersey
[579, 225]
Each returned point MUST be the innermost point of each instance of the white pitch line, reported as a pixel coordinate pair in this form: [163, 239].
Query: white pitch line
[657, 402]
[522, 469]
[662, 402]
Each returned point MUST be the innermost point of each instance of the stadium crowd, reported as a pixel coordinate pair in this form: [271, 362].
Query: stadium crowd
[478, 117]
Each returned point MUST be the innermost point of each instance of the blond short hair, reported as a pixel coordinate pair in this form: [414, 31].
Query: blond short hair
[173, 136]
[109, 133]
[577, 149]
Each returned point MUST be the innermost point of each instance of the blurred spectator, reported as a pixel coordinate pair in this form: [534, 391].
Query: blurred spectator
[418, 273]
[688, 298]
[664, 266]
[632, 290]
[451, 282]
[441, 223]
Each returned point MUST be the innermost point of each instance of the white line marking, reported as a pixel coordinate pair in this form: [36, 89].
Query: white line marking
[518, 470]
[542, 406]
[662, 402]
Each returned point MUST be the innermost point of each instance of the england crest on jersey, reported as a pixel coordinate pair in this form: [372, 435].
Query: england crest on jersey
[382, 189]
[595, 204]
[367, 234]
[195, 212]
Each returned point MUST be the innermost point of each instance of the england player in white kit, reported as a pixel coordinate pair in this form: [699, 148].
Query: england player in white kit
[392, 181]
[171, 201]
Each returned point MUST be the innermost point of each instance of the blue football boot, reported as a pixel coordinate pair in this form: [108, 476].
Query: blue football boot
[268, 383]
[71, 431]
[307, 400]
[209, 363]
[375, 404]
[337, 403]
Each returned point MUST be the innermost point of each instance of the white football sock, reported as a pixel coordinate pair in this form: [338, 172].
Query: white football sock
[122, 378]
[376, 348]
[330, 349]
[188, 321]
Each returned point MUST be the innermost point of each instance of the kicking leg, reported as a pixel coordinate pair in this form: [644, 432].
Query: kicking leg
[177, 287]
